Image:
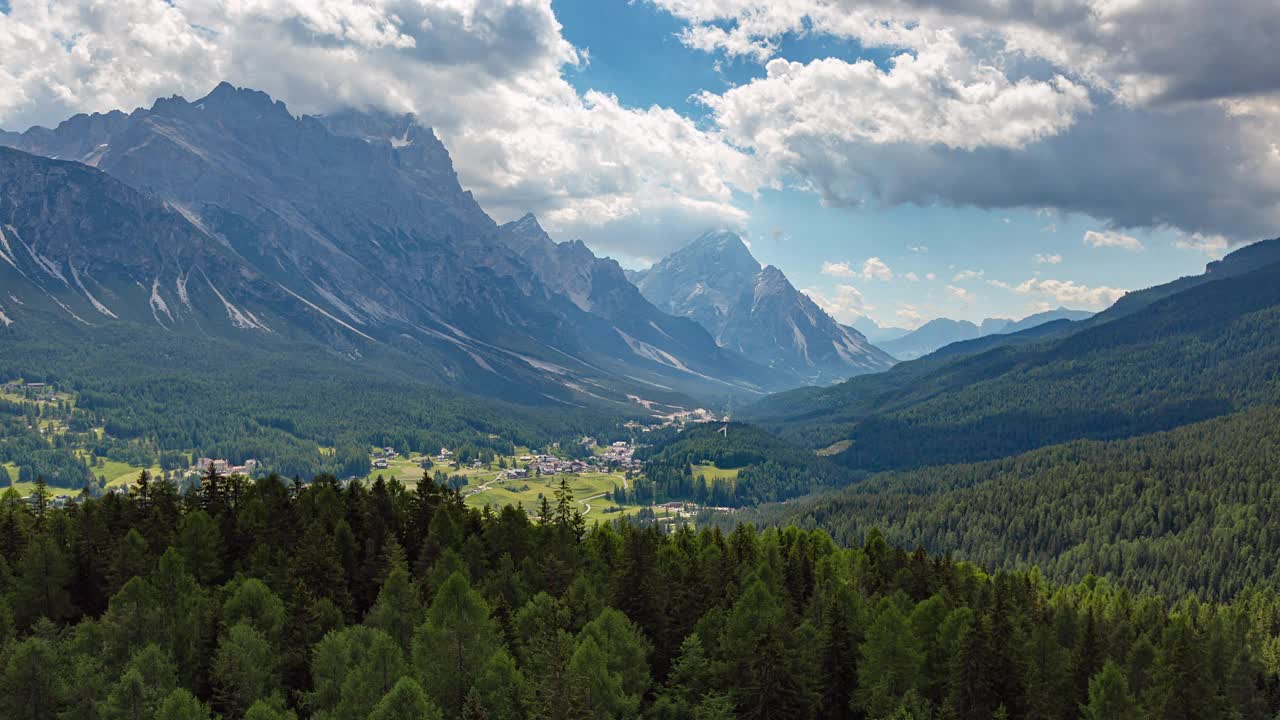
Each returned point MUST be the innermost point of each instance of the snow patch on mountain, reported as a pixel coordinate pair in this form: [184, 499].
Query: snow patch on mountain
[158, 304]
[92, 300]
[242, 319]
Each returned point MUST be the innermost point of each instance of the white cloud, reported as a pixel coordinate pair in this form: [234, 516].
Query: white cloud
[964, 275]
[838, 269]
[931, 276]
[910, 316]
[487, 75]
[846, 305]
[1047, 259]
[1091, 106]
[875, 269]
[912, 277]
[1070, 293]
[960, 294]
[1215, 246]
[918, 248]
[1142, 50]
[941, 95]
[1111, 239]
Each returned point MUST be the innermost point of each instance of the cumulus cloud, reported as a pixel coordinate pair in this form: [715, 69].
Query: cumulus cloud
[1067, 292]
[1215, 246]
[1111, 239]
[960, 294]
[939, 96]
[845, 305]
[875, 269]
[910, 316]
[488, 75]
[838, 269]
[964, 275]
[1098, 107]
[1047, 259]
[912, 277]
[1142, 50]
[1106, 105]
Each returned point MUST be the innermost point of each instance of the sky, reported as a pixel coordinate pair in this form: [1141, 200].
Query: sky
[898, 159]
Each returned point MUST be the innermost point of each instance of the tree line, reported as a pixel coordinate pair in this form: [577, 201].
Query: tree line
[1190, 511]
[272, 599]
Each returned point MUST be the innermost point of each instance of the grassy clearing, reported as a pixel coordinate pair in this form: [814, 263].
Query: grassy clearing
[527, 492]
[712, 473]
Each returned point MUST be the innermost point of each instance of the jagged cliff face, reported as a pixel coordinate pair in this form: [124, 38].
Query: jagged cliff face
[757, 312]
[353, 229]
[74, 240]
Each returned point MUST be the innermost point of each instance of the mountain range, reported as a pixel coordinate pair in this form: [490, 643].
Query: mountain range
[940, 332]
[756, 311]
[349, 232]
[1183, 352]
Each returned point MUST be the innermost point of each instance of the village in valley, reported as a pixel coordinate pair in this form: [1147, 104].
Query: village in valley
[598, 474]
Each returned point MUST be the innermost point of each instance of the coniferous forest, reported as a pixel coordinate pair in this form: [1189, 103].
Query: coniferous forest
[270, 599]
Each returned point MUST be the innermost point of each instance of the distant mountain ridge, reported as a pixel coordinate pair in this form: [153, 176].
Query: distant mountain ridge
[355, 226]
[756, 311]
[1195, 349]
[941, 332]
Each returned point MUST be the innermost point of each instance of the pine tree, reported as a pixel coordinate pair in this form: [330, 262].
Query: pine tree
[1109, 697]
[211, 490]
[40, 502]
[243, 670]
[890, 664]
[454, 643]
[598, 691]
[398, 610]
[406, 701]
[501, 687]
[182, 705]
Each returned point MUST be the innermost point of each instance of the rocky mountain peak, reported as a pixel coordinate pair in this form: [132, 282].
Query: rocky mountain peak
[724, 247]
[231, 101]
[716, 281]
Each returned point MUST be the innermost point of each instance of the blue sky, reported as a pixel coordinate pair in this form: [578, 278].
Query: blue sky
[635, 54]
[1045, 153]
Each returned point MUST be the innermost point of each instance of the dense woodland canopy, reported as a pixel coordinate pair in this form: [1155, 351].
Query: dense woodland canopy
[1192, 356]
[298, 414]
[1190, 511]
[769, 470]
[270, 599]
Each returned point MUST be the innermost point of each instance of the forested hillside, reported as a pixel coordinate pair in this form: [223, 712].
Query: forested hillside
[1194, 511]
[298, 411]
[764, 468]
[1196, 354]
[266, 600]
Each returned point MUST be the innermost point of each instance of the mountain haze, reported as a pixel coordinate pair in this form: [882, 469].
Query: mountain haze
[756, 311]
[1193, 354]
[941, 332]
[356, 223]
